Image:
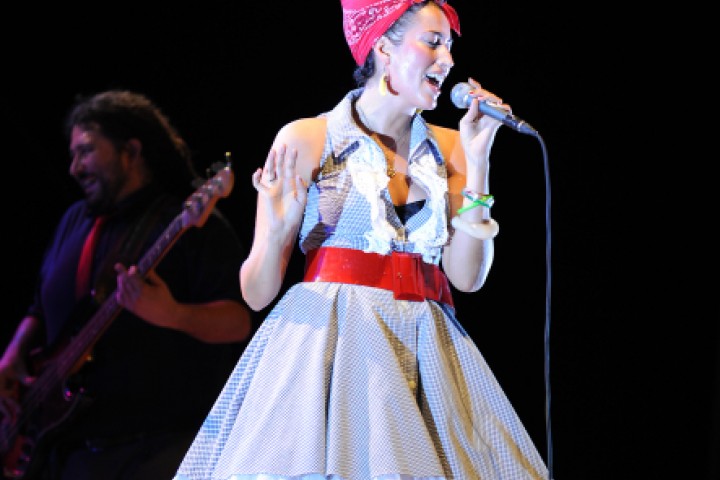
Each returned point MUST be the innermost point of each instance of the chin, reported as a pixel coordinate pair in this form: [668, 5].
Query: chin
[429, 105]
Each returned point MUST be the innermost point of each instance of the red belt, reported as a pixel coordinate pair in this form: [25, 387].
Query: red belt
[405, 274]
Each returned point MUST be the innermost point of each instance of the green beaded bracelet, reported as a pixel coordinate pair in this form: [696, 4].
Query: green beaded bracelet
[477, 199]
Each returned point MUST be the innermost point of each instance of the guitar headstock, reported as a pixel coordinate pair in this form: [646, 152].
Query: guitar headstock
[199, 205]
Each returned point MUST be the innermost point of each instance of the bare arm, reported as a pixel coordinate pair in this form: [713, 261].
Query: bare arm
[282, 195]
[467, 259]
[218, 321]
[281, 201]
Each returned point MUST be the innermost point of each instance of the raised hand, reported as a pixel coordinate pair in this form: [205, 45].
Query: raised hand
[477, 131]
[282, 193]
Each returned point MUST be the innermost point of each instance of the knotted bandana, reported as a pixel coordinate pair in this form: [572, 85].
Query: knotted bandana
[364, 21]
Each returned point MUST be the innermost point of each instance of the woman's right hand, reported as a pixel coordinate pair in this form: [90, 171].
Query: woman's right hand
[282, 193]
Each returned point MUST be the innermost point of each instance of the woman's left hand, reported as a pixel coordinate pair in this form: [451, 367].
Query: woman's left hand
[477, 131]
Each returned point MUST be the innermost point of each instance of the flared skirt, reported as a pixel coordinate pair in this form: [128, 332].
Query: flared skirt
[343, 382]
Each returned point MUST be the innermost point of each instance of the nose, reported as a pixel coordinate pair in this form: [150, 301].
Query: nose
[75, 165]
[445, 59]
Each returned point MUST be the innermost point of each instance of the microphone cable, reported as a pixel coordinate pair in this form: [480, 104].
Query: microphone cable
[548, 296]
[460, 96]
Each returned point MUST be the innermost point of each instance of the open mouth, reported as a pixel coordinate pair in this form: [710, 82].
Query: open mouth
[435, 79]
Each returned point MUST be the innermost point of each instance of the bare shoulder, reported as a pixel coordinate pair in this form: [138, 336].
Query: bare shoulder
[303, 132]
[448, 140]
[307, 136]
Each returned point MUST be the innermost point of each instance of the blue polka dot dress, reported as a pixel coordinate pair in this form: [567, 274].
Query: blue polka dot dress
[344, 382]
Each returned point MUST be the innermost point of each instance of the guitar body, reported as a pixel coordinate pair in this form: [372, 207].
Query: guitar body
[47, 406]
[34, 434]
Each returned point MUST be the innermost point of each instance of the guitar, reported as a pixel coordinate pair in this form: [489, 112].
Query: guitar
[47, 405]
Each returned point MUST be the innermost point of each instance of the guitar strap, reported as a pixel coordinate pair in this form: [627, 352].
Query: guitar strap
[128, 248]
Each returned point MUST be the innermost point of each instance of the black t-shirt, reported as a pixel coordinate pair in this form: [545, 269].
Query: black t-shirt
[142, 378]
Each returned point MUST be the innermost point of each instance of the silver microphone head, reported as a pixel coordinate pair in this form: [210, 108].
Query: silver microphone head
[460, 95]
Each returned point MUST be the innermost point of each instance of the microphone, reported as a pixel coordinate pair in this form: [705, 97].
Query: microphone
[461, 98]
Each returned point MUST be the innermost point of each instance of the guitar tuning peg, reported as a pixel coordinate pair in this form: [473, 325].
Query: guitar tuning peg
[217, 166]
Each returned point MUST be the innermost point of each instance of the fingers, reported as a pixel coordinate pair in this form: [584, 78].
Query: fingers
[279, 167]
[284, 160]
[129, 284]
[288, 162]
[269, 171]
[152, 278]
[482, 95]
[125, 273]
[256, 178]
[265, 177]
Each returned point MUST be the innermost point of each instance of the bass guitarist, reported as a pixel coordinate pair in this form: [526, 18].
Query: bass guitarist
[123, 398]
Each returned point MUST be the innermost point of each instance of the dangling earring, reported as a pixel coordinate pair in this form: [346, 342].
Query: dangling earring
[384, 84]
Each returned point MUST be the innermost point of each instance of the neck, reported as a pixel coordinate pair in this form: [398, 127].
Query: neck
[377, 120]
[394, 146]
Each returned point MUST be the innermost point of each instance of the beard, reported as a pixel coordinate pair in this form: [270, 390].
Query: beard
[101, 195]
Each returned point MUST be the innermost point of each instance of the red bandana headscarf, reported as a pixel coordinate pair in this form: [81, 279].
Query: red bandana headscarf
[364, 21]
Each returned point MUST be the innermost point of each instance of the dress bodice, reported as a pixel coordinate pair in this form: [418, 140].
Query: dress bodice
[349, 204]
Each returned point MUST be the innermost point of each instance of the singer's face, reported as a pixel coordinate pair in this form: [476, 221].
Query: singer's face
[420, 64]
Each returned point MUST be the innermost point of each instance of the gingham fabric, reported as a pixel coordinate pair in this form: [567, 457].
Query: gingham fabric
[343, 382]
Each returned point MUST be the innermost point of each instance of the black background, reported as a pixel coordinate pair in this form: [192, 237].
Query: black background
[633, 357]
